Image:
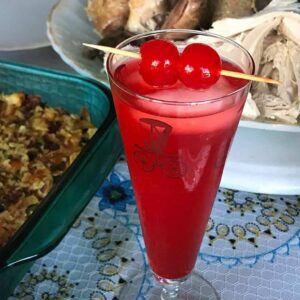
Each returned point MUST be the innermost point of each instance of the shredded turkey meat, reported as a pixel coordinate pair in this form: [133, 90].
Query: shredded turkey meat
[272, 38]
[280, 60]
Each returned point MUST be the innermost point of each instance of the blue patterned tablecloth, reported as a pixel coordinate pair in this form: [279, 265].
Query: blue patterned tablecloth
[250, 250]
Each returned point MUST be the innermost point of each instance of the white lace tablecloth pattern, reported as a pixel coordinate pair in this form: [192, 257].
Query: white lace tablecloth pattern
[250, 250]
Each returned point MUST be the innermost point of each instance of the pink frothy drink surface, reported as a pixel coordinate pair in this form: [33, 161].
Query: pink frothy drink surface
[176, 154]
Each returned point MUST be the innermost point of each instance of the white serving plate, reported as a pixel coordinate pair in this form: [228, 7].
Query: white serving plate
[67, 28]
[23, 24]
[264, 158]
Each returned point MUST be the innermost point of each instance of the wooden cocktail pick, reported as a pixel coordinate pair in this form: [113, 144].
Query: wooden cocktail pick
[223, 72]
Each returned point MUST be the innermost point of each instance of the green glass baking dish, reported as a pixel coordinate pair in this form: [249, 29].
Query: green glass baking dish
[71, 193]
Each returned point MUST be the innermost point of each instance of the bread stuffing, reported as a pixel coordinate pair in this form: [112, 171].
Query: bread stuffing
[37, 144]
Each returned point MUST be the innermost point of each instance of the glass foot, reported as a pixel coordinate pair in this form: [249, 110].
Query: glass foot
[195, 287]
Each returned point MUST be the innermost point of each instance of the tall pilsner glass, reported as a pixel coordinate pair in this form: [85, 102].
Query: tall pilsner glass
[176, 142]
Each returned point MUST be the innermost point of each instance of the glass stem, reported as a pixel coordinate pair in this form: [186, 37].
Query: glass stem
[170, 288]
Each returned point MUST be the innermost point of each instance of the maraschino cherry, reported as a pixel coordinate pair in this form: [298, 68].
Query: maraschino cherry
[198, 66]
[159, 61]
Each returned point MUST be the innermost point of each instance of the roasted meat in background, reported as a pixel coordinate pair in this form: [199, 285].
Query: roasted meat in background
[117, 20]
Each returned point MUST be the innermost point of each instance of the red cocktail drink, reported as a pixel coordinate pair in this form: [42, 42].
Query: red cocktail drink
[176, 141]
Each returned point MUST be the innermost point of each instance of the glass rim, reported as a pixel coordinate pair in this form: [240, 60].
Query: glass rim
[127, 41]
